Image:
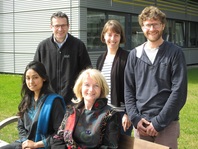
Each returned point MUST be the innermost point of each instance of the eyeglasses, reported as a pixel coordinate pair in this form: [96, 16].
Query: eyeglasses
[155, 26]
[58, 26]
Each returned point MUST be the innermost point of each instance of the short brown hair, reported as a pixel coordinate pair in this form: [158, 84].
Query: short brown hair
[151, 12]
[59, 14]
[114, 26]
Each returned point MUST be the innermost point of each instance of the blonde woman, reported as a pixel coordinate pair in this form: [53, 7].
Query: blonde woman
[91, 123]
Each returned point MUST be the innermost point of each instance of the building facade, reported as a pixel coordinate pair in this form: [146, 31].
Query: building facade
[24, 23]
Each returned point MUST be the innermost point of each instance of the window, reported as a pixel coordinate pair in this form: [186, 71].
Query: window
[179, 34]
[174, 32]
[137, 36]
[95, 23]
[169, 31]
[193, 33]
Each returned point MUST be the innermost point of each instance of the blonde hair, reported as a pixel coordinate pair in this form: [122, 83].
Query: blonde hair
[114, 26]
[95, 75]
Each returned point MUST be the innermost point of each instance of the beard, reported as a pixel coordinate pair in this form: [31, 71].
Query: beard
[155, 37]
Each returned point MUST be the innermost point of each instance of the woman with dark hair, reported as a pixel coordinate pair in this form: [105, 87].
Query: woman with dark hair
[112, 63]
[40, 110]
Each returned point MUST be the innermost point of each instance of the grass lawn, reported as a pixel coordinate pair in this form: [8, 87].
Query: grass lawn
[10, 86]
[189, 113]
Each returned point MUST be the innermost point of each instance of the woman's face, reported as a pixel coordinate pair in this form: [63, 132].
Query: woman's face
[90, 90]
[112, 39]
[34, 81]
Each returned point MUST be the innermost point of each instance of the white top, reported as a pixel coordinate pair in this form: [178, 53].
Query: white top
[151, 53]
[106, 71]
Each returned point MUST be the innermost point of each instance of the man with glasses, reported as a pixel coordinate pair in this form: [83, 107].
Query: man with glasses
[63, 55]
[155, 83]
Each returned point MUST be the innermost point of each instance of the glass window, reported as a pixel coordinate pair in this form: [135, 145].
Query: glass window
[137, 36]
[179, 34]
[168, 34]
[95, 23]
[193, 33]
[174, 32]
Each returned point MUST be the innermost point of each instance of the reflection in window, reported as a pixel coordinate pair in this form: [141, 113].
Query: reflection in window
[193, 39]
[95, 23]
[137, 36]
[174, 32]
[179, 34]
[168, 34]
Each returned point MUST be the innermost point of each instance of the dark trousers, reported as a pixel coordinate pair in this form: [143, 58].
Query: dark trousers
[14, 145]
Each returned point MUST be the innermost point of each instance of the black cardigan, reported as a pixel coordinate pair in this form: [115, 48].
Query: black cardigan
[117, 75]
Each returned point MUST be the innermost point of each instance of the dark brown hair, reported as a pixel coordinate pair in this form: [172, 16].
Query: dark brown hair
[114, 26]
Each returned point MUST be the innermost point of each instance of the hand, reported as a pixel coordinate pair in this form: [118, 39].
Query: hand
[126, 123]
[150, 130]
[28, 144]
[142, 127]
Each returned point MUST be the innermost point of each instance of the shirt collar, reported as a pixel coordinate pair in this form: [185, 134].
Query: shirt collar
[60, 44]
[99, 104]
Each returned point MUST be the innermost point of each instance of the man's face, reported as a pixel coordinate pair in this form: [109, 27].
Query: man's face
[153, 29]
[60, 28]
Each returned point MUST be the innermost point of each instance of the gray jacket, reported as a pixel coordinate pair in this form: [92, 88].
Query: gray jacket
[157, 91]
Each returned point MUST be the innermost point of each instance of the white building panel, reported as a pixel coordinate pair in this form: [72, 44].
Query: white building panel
[6, 62]
[28, 42]
[6, 42]
[21, 60]
[6, 6]
[6, 23]
[37, 5]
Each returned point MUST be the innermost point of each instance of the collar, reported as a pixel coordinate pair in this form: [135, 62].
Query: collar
[60, 44]
[99, 104]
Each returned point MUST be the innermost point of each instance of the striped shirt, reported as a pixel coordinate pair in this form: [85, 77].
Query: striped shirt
[106, 71]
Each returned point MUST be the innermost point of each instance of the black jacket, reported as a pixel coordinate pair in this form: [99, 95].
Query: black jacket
[63, 65]
[117, 75]
[97, 128]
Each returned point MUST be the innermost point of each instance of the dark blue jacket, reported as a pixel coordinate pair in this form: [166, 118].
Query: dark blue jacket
[157, 91]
